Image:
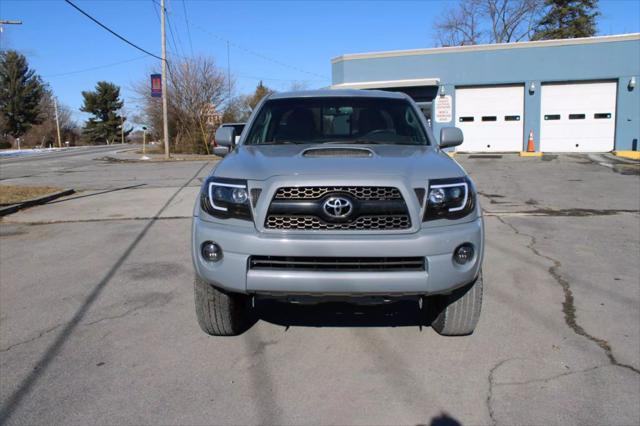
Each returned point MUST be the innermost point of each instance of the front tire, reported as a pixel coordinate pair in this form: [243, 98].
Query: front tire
[459, 311]
[220, 313]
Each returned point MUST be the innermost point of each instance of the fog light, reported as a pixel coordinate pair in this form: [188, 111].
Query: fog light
[463, 254]
[211, 252]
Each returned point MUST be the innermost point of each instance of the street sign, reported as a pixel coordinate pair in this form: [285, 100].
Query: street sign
[156, 85]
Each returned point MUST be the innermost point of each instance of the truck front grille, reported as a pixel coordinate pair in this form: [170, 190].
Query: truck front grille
[312, 223]
[372, 208]
[360, 264]
[358, 192]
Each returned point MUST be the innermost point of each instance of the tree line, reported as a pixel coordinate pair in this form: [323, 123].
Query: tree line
[469, 22]
[201, 96]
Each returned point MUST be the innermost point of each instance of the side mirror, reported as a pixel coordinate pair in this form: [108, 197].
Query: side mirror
[226, 136]
[450, 136]
[220, 151]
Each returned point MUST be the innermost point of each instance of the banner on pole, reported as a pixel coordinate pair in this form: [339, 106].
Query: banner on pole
[156, 85]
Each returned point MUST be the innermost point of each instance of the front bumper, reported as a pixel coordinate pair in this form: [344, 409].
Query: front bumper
[238, 243]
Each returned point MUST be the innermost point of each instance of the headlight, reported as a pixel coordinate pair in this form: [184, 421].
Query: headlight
[449, 199]
[226, 198]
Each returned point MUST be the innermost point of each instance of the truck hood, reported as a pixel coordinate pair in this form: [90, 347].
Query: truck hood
[260, 162]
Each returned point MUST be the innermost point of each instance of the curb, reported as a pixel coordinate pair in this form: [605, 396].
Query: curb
[530, 154]
[631, 155]
[34, 201]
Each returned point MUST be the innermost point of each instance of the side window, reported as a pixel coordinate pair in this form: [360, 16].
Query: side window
[576, 116]
[489, 118]
[465, 119]
[552, 117]
[260, 128]
[511, 118]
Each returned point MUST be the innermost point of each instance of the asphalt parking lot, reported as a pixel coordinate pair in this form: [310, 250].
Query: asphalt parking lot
[97, 322]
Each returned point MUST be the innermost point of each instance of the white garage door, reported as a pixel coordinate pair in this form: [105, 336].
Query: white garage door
[578, 117]
[490, 118]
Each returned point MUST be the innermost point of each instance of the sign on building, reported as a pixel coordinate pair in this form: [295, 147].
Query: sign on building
[444, 109]
[156, 85]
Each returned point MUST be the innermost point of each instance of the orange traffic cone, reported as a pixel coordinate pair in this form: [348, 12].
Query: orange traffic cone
[530, 144]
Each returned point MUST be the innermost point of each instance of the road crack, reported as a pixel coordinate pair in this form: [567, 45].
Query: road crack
[568, 305]
[42, 333]
[489, 400]
[548, 379]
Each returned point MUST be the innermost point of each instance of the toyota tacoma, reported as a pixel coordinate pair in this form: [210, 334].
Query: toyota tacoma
[337, 194]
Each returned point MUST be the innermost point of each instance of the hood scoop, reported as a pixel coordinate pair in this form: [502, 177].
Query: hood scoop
[334, 152]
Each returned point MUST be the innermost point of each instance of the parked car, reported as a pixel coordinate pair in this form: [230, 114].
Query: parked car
[338, 195]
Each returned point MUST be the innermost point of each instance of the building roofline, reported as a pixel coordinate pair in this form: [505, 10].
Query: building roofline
[337, 93]
[383, 84]
[483, 47]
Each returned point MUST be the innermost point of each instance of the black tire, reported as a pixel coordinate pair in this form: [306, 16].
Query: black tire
[220, 313]
[459, 312]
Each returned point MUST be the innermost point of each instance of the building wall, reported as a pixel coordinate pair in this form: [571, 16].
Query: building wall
[602, 58]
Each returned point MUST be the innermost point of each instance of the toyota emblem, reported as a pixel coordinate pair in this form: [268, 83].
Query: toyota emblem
[337, 207]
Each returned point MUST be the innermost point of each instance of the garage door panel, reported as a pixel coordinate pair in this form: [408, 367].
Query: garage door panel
[490, 118]
[578, 117]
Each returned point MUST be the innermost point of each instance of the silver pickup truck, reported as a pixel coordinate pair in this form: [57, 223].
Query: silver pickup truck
[337, 195]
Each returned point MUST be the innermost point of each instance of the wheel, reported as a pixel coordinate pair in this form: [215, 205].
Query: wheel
[459, 312]
[220, 313]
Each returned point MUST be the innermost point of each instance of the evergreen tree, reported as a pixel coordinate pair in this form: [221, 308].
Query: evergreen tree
[21, 91]
[567, 19]
[261, 92]
[104, 103]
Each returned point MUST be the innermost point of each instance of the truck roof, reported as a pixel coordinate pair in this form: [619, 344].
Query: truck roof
[346, 93]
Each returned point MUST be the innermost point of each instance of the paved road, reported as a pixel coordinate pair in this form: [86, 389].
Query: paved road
[97, 320]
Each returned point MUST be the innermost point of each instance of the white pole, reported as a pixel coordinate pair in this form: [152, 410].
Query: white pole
[55, 107]
[165, 119]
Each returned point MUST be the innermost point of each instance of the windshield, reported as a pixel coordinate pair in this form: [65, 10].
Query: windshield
[337, 120]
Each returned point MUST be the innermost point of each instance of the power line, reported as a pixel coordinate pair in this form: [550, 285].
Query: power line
[111, 31]
[186, 20]
[255, 53]
[260, 55]
[175, 49]
[94, 68]
[173, 27]
[177, 46]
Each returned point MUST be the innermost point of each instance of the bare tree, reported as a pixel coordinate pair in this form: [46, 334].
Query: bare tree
[297, 86]
[197, 92]
[488, 21]
[460, 25]
[512, 20]
[45, 133]
[199, 89]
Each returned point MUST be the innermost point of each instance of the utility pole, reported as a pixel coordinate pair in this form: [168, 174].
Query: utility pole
[165, 118]
[121, 130]
[55, 107]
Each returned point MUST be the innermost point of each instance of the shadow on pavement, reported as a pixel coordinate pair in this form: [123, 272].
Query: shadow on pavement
[340, 314]
[444, 419]
[15, 399]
